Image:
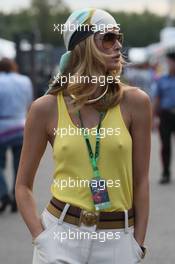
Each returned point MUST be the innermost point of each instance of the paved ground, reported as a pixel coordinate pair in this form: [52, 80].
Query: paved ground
[15, 242]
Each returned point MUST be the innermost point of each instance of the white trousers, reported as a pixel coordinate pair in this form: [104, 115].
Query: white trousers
[64, 243]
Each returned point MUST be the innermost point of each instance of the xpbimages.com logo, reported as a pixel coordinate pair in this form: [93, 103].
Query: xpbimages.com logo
[72, 131]
[85, 79]
[61, 28]
[76, 234]
[84, 183]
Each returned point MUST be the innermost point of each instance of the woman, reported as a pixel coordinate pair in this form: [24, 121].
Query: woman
[114, 203]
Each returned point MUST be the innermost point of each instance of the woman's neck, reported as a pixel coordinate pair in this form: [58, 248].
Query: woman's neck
[98, 92]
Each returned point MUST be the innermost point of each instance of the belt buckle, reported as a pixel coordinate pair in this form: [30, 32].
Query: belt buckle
[88, 218]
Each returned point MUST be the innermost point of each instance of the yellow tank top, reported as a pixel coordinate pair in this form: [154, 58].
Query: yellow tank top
[73, 170]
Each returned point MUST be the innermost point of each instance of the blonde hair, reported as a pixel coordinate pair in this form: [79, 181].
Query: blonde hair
[87, 60]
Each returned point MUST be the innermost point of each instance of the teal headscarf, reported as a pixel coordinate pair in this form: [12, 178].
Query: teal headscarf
[74, 32]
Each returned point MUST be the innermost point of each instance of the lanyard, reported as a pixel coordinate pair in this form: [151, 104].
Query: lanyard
[93, 157]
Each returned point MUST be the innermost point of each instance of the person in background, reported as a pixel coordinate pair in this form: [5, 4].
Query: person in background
[164, 108]
[16, 95]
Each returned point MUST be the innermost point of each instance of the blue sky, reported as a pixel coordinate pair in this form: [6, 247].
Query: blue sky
[159, 7]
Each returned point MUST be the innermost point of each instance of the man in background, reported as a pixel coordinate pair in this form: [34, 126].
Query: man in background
[164, 108]
[16, 95]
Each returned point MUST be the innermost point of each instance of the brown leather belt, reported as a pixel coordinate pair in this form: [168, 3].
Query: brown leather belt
[103, 220]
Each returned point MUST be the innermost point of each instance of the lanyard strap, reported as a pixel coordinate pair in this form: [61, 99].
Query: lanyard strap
[93, 158]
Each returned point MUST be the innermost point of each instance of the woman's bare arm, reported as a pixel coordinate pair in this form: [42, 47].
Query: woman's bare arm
[141, 136]
[34, 145]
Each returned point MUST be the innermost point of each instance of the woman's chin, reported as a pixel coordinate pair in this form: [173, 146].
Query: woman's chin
[114, 66]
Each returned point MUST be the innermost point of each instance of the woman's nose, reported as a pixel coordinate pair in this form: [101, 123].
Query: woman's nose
[117, 45]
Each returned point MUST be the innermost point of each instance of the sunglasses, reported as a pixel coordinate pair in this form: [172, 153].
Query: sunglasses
[109, 39]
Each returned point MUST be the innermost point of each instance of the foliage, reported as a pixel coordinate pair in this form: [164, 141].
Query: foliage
[139, 29]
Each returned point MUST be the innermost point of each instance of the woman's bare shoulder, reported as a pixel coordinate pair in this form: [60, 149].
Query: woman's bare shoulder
[135, 97]
[44, 105]
[43, 110]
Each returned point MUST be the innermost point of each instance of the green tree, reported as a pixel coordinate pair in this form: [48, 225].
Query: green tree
[140, 29]
[45, 14]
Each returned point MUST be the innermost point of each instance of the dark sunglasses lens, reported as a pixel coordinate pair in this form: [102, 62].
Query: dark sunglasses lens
[120, 38]
[109, 40]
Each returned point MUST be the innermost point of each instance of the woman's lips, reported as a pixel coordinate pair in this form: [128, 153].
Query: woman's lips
[116, 57]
